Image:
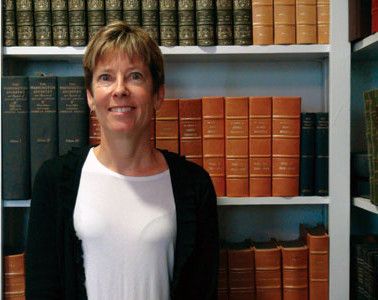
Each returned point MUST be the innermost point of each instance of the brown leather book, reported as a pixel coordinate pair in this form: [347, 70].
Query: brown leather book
[213, 141]
[94, 129]
[167, 130]
[268, 271]
[323, 21]
[223, 274]
[262, 22]
[284, 22]
[260, 146]
[241, 271]
[306, 22]
[152, 131]
[359, 19]
[294, 269]
[285, 146]
[190, 122]
[236, 131]
[374, 16]
[14, 276]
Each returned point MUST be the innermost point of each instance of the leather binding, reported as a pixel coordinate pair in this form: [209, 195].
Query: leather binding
[262, 22]
[306, 22]
[168, 22]
[284, 22]
[205, 22]
[167, 134]
[321, 154]
[360, 21]
[14, 276]
[186, 22]
[213, 140]
[59, 23]
[132, 12]
[242, 22]
[374, 16]
[323, 21]
[260, 146]
[25, 23]
[190, 123]
[285, 146]
[236, 131]
[9, 17]
[77, 22]
[42, 22]
[96, 16]
[150, 18]
[94, 129]
[224, 27]
[223, 274]
[113, 11]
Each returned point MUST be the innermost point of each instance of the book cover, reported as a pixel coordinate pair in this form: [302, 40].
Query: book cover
[323, 17]
[374, 16]
[25, 23]
[95, 16]
[359, 19]
[224, 22]
[284, 22]
[321, 154]
[306, 25]
[132, 12]
[9, 21]
[242, 22]
[77, 22]
[186, 22]
[42, 22]
[205, 22]
[59, 23]
[262, 22]
[168, 22]
[167, 125]
[150, 18]
[113, 11]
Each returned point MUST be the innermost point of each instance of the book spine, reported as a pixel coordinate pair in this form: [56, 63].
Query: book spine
[242, 22]
[113, 11]
[359, 19]
[262, 22]
[373, 94]
[168, 22]
[59, 13]
[321, 152]
[43, 121]
[285, 146]
[284, 22]
[205, 22]
[77, 23]
[132, 12]
[306, 22]
[260, 146]
[223, 274]
[213, 141]
[323, 17]
[224, 26]
[42, 22]
[152, 131]
[72, 113]
[94, 131]
[190, 124]
[167, 121]
[186, 23]
[150, 18]
[9, 15]
[96, 16]
[25, 23]
[14, 276]
[307, 163]
[374, 16]
[236, 132]
[15, 138]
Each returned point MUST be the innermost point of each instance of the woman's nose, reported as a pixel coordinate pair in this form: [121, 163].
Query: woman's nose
[121, 88]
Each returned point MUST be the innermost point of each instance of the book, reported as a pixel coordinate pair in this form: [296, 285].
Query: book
[150, 18]
[25, 23]
[321, 154]
[284, 22]
[77, 23]
[15, 138]
[14, 276]
[168, 22]
[236, 145]
[152, 131]
[95, 16]
[113, 11]
[323, 17]
[360, 164]
[42, 22]
[260, 146]
[94, 131]
[131, 12]
[72, 113]
[190, 128]
[224, 22]
[9, 15]
[359, 19]
[306, 22]
[262, 22]
[223, 274]
[374, 16]
[213, 141]
[205, 22]
[186, 23]
[242, 22]
[59, 23]
[285, 145]
[167, 125]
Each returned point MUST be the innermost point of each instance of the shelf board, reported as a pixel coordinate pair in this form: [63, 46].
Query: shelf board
[364, 203]
[16, 203]
[366, 48]
[306, 200]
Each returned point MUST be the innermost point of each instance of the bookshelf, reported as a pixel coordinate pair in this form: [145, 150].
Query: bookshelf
[365, 204]
[315, 72]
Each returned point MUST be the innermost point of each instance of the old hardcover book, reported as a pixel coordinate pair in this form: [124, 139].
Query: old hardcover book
[262, 22]
[223, 274]
[152, 131]
[42, 22]
[131, 12]
[306, 22]
[186, 23]
[242, 22]
[285, 146]
[284, 22]
[307, 163]
[77, 22]
[268, 271]
[190, 128]
[72, 113]
[150, 18]
[368, 105]
[321, 154]
[15, 138]
[9, 21]
[224, 19]
[59, 13]
[94, 131]
[359, 19]
[43, 121]
[168, 22]
[167, 125]
[323, 17]
[25, 23]
[96, 16]
[113, 11]
[213, 141]
[205, 22]
[374, 16]
[237, 156]
[260, 146]
[14, 276]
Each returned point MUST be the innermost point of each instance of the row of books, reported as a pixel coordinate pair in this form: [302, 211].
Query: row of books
[363, 18]
[276, 270]
[169, 22]
[14, 277]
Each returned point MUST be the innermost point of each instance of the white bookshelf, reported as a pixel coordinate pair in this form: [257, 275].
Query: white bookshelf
[366, 48]
[365, 204]
[309, 200]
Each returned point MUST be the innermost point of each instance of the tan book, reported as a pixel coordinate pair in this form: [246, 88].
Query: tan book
[323, 21]
[213, 142]
[167, 130]
[190, 123]
[260, 146]
[236, 132]
[284, 22]
[262, 22]
[306, 22]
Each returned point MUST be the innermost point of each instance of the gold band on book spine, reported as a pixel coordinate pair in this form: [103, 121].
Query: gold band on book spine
[9, 11]
[150, 18]
[242, 22]
[205, 11]
[186, 23]
[224, 27]
[96, 16]
[25, 22]
[42, 22]
[77, 22]
[131, 12]
[168, 22]
[59, 14]
[113, 10]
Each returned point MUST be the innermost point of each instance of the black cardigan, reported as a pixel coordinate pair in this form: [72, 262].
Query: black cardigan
[54, 256]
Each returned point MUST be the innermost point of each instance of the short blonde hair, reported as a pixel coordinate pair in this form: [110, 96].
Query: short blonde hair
[133, 41]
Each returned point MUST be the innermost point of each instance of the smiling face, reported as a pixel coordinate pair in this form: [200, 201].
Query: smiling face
[122, 95]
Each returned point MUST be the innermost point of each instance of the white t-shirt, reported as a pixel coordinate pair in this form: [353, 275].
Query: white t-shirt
[127, 225]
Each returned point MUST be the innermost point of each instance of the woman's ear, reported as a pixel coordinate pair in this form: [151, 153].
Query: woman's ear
[90, 100]
[159, 97]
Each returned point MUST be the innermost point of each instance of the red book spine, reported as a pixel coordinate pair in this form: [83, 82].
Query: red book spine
[374, 16]
[166, 130]
[94, 130]
[222, 275]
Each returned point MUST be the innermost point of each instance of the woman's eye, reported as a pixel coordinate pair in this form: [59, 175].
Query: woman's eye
[104, 77]
[136, 76]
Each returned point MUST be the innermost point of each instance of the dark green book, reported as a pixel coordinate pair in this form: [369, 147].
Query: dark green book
[307, 162]
[59, 23]
[113, 11]
[150, 18]
[77, 22]
[9, 23]
[321, 154]
[25, 22]
[224, 20]
[15, 138]
[360, 164]
[242, 22]
[168, 22]
[72, 113]
[96, 16]
[186, 22]
[42, 22]
[131, 12]
[205, 22]
[43, 121]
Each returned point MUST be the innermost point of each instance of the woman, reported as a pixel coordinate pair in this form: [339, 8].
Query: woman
[122, 220]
